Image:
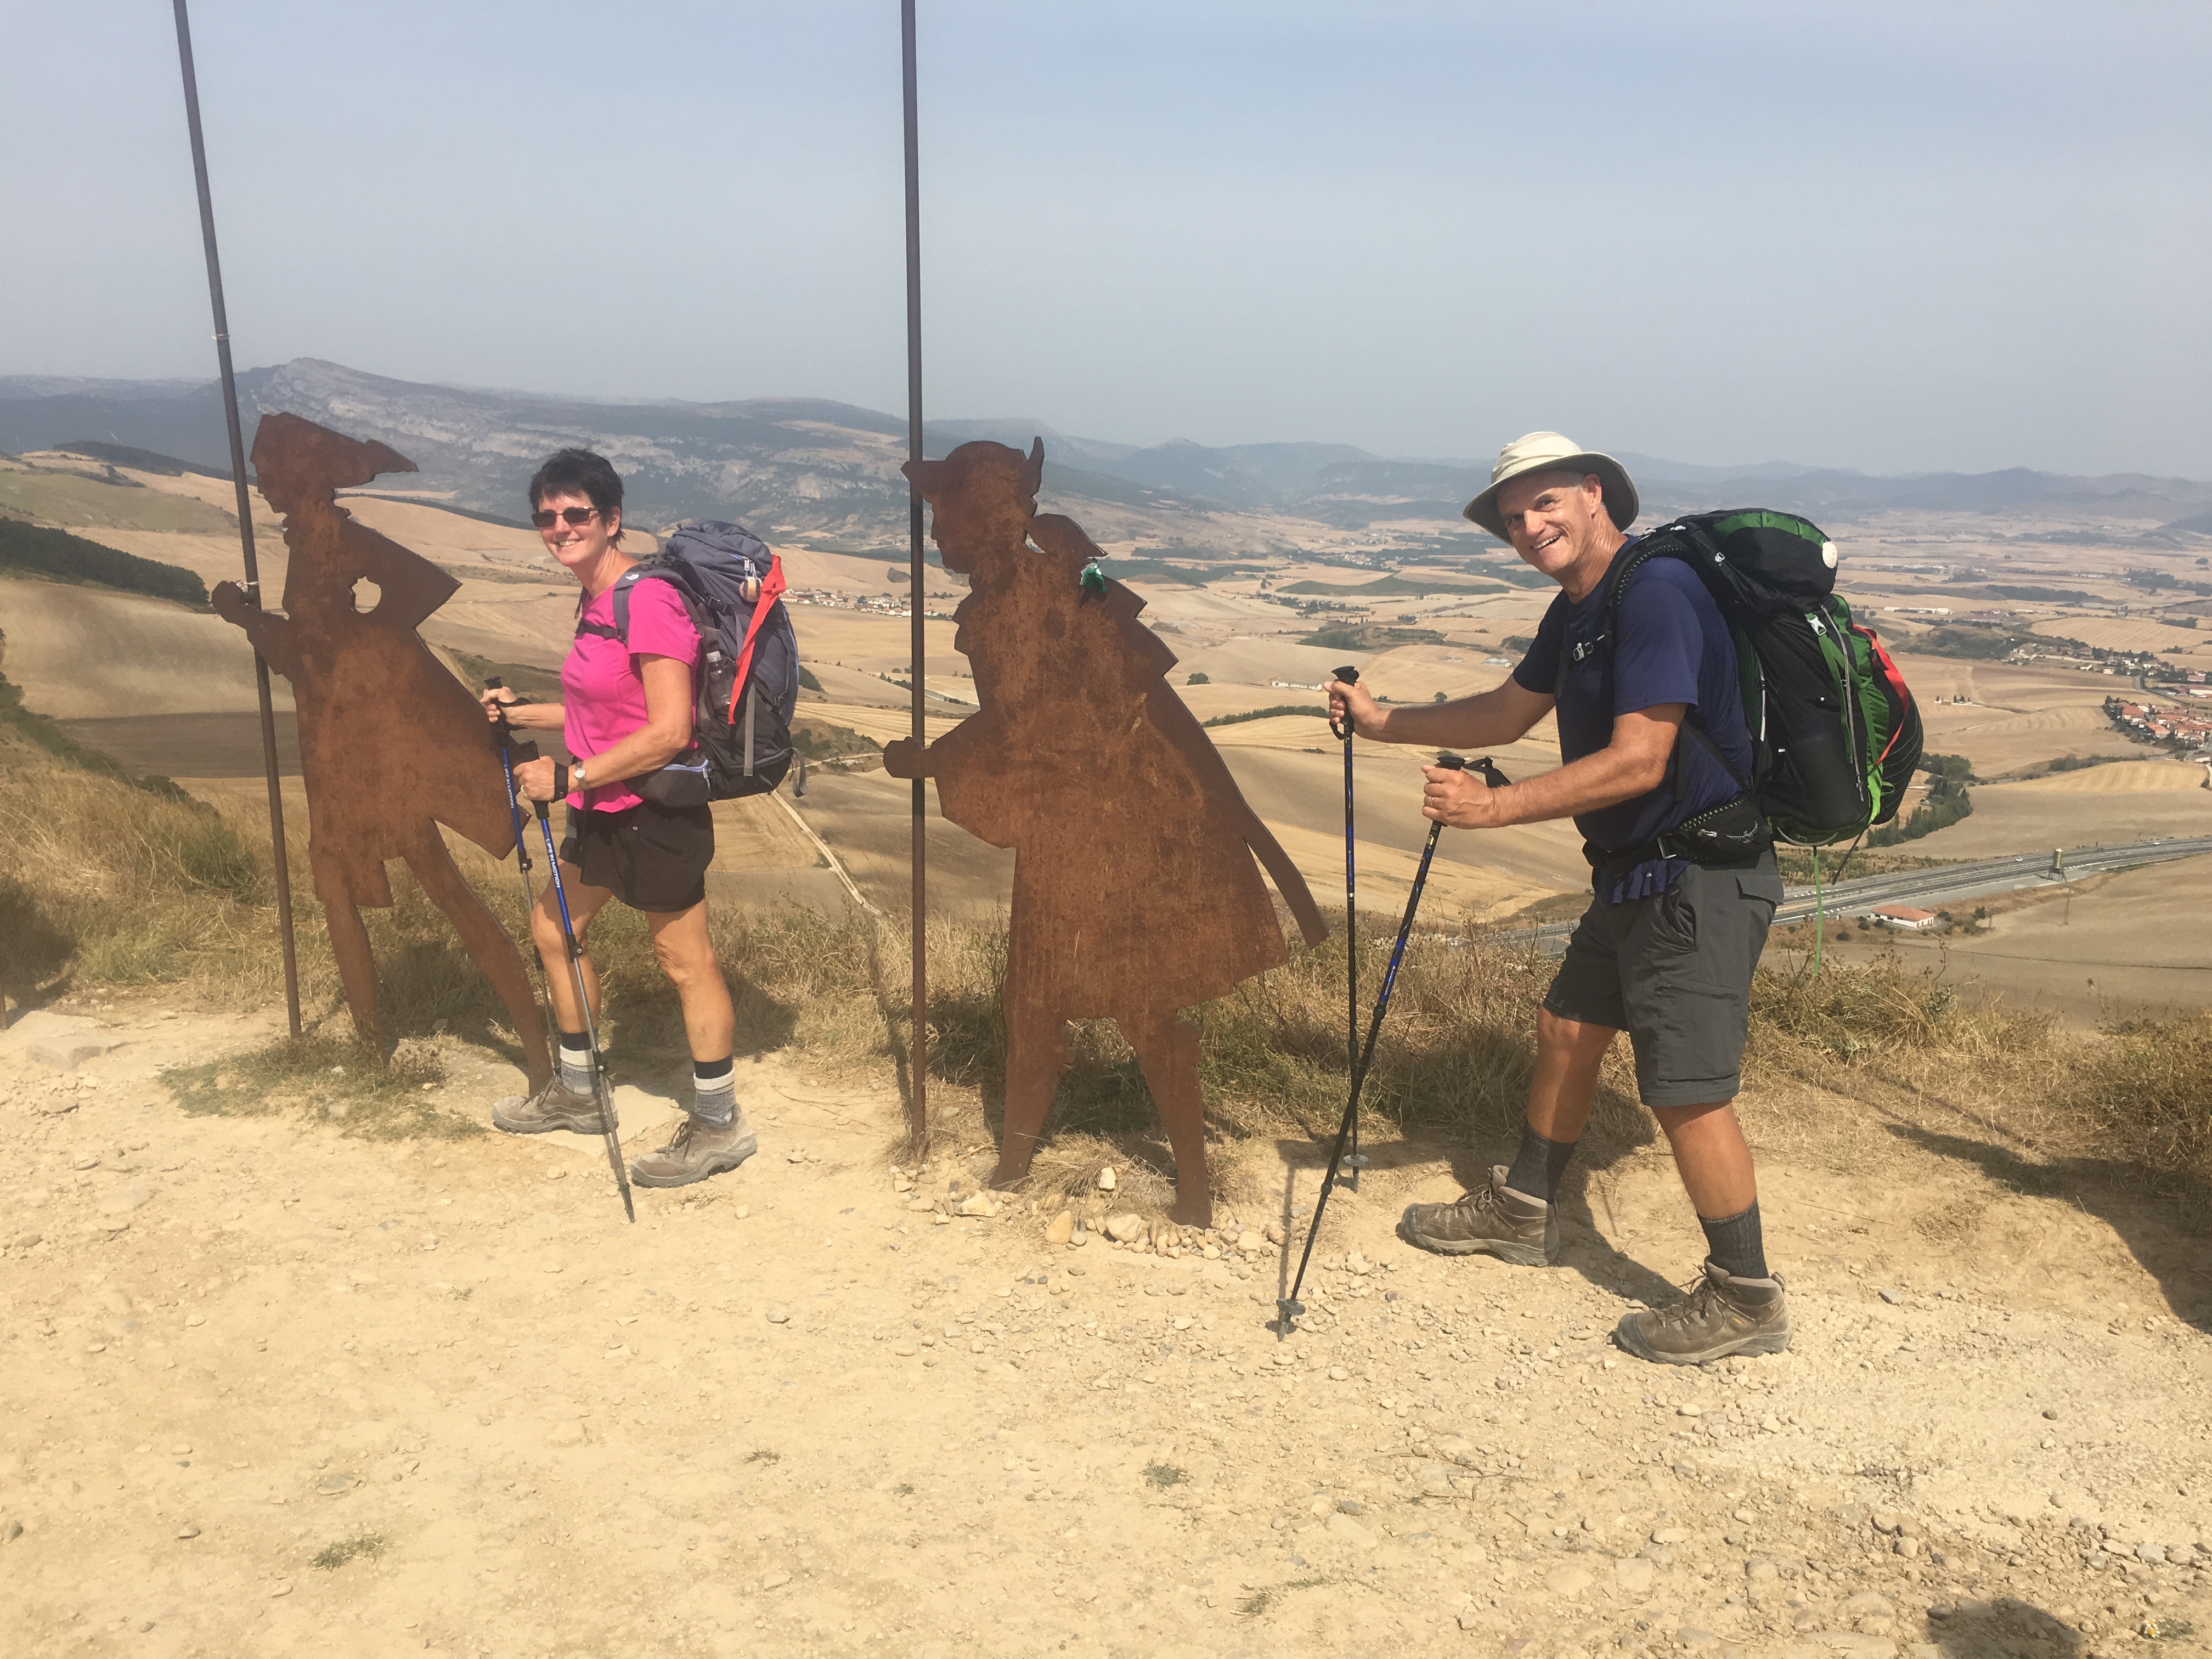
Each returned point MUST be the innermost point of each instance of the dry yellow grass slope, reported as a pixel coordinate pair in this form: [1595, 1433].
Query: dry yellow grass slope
[83, 652]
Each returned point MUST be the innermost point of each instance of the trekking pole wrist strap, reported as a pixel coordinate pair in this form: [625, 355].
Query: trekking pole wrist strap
[560, 778]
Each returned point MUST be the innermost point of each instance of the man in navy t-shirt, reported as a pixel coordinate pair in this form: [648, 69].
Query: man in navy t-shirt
[1655, 754]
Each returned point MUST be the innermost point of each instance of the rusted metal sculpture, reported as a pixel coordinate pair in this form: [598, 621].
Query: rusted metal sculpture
[1136, 894]
[391, 744]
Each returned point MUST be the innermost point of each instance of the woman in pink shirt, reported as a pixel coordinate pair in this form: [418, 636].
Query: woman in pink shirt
[625, 711]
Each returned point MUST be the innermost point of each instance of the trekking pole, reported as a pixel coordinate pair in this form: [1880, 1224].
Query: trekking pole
[600, 1093]
[502, 737]
[1350, 676]
[1290, 1307]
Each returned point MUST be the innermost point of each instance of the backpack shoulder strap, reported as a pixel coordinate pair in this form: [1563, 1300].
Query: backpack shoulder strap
[599, 629]
[623, 583]
[1661, 543]
[1616, 579]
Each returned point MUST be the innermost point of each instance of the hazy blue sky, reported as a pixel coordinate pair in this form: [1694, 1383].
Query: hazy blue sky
[1897, 237]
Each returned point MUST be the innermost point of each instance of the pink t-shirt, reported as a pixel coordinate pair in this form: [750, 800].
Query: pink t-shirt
[603, 695]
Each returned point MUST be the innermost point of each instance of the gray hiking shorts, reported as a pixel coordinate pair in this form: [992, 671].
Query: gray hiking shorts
[1673, 971]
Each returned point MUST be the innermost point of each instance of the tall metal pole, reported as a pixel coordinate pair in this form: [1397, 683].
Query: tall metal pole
[245, 515]
[919, 1049]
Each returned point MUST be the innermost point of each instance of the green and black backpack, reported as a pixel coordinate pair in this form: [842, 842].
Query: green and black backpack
[1835, 733]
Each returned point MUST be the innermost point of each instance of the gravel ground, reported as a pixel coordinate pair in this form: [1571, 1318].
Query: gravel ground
[271, 1388]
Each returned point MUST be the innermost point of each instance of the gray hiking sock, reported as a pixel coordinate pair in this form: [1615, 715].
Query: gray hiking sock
[1539, 1166]
[1735, 1244]
[576, 1070]
[714, 1092]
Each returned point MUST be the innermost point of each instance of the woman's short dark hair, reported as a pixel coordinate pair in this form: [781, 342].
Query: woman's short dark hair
[579, 472]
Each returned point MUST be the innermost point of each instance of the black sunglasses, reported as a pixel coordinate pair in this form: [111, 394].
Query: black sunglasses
[576, 517]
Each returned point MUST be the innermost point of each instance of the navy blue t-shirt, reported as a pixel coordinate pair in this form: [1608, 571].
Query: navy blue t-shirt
[1673, 646]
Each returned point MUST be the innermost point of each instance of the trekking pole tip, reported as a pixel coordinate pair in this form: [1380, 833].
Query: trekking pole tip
[1286, 1310]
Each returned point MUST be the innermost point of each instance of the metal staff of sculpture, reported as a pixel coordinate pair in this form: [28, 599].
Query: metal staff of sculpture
[282, 865]
[1290, 1307]
[918, 1048]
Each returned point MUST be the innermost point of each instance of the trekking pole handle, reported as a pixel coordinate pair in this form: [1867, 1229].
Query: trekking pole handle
[1484, 764]
[1350, 676]
[499, 722]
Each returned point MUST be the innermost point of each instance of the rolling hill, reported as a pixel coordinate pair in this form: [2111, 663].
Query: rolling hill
[827, 473]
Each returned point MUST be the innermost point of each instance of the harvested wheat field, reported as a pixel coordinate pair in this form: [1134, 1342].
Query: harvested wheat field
[2128, 634]
[2108, 951]
[81, 652]
[2149, 777]
[2041, 813]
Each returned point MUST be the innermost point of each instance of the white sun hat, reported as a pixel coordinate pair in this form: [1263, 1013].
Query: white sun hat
[1543, 452]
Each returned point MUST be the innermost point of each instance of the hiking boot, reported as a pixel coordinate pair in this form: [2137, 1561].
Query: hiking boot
[1493, 1219]
[553, 1107]
[694, 1151]
[1720, 1316]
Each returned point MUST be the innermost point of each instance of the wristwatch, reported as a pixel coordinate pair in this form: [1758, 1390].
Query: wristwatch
[576, 776]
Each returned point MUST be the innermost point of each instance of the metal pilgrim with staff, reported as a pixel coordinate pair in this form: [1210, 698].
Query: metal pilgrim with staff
[1136, 893]
[389, 746]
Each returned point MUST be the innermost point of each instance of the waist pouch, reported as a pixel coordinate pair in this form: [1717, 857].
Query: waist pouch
[682, 782]
[1733, 835]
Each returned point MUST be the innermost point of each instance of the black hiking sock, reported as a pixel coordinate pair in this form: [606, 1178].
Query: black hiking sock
[1735, 1244]
[1539, 1166]
[714, 1091]
[576, 1071]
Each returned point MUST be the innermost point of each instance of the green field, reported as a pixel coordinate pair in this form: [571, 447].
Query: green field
[57, 555]
[1393, 587]
[70, 499]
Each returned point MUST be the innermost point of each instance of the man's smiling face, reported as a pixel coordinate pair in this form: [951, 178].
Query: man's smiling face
[1555, 518]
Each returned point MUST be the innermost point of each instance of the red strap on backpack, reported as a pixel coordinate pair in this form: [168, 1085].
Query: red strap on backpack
[1896, 685]
[771, 592]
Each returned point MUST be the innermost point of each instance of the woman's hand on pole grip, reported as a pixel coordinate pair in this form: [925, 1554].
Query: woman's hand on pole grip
[536, 780]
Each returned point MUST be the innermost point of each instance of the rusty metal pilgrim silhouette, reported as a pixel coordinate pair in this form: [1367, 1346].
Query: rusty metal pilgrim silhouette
[1135, 895]
[391, 744]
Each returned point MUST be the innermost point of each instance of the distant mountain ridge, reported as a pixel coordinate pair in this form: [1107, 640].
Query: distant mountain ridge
[823, 470]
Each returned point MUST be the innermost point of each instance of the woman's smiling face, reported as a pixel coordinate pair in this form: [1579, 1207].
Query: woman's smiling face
[577, 546]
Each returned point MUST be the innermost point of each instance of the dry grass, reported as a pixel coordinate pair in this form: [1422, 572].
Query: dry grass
[104, 883]
[330, 1078]
[2150, 1092]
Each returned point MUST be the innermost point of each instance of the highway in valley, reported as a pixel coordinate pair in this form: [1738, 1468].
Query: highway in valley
[1954, 883]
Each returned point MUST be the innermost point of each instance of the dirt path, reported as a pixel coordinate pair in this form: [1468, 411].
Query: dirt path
[271, 1390]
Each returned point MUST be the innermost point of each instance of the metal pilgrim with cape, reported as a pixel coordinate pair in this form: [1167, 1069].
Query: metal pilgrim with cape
[392, 745]
[1136, 891]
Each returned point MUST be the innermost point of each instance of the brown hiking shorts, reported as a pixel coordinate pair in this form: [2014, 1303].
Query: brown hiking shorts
[1673, 971]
